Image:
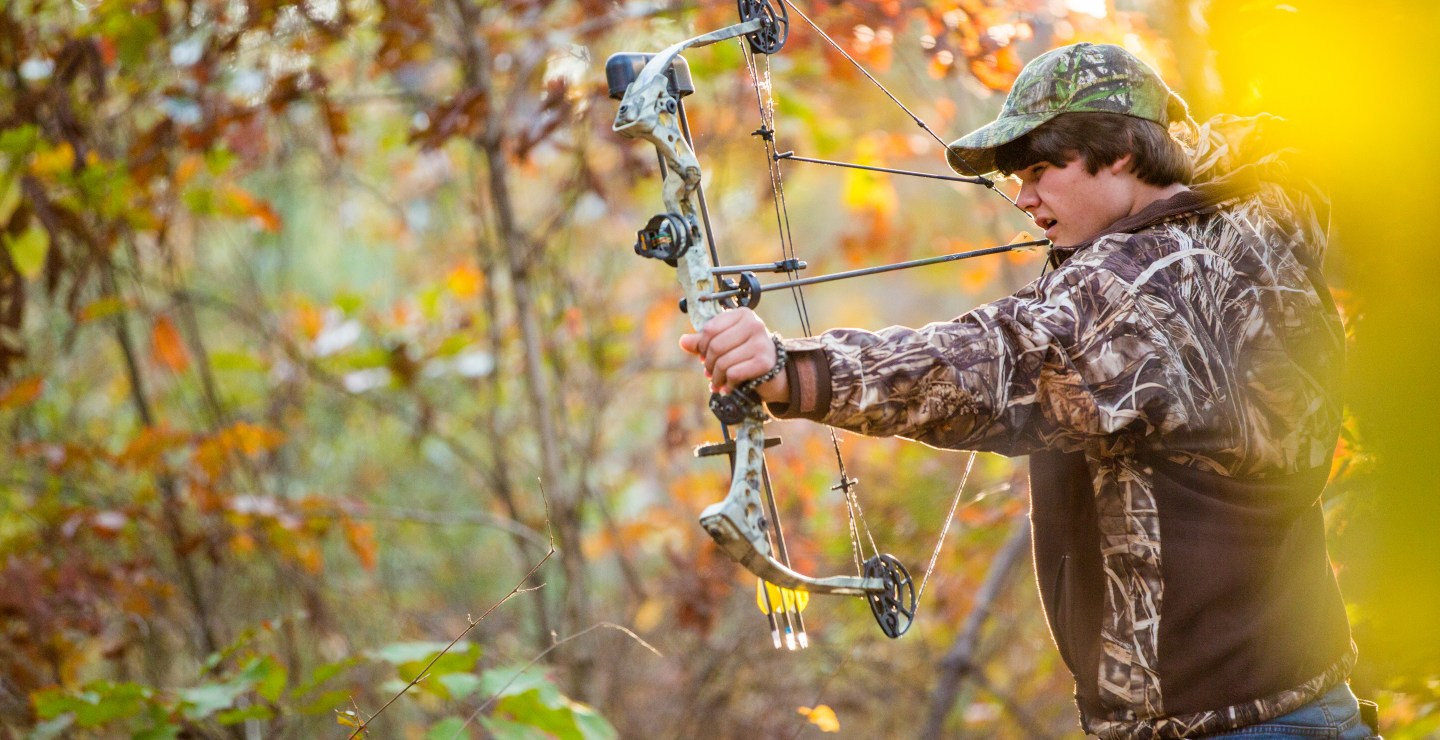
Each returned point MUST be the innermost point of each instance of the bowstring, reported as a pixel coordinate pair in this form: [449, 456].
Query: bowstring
[765, 103]
[767, 132]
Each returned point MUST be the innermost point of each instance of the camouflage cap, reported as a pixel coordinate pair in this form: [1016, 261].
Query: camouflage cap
[1077, 78]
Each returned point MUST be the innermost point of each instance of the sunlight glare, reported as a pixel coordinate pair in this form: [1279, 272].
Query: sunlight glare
[1092, 8]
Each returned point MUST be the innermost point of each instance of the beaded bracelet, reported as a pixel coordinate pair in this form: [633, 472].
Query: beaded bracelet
[781, 357]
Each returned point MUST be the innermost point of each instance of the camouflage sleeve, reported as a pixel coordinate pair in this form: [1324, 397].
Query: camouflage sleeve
[1070, 358]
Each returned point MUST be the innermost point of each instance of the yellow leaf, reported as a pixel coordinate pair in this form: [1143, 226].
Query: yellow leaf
[648, 616]
[48, 163]
[28, 250]
[821, 716]
[465, 281]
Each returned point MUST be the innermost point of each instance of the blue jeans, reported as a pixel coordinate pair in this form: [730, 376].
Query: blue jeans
[1335, 715]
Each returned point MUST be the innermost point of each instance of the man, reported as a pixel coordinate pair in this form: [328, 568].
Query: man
[1174, 381]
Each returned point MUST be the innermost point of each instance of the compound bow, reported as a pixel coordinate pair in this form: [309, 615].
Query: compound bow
[745, 524]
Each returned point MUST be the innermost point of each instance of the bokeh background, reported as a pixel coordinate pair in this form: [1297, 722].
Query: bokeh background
[322, 345]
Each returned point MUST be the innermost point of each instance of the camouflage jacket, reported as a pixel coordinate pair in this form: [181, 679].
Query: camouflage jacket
[1175, 382]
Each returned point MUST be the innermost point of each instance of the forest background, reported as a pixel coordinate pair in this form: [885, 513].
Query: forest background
[322, 344]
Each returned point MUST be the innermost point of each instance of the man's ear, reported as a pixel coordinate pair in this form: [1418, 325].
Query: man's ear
[1121, 165]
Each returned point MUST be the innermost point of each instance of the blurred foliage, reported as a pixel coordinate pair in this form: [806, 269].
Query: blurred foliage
[298, 300]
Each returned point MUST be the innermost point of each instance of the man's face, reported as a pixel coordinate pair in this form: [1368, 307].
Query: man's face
[1072, 205]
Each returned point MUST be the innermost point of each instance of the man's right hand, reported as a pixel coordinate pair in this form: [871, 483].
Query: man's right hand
[736, 346]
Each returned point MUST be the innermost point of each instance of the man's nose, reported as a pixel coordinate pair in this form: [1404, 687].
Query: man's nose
[1027, 199]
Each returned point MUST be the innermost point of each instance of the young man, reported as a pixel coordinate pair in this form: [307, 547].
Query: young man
[1174, 381]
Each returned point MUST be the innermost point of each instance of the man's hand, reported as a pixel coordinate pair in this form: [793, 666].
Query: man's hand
[736, 347]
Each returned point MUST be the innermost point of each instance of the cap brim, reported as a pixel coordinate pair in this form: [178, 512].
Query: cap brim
[974, 153]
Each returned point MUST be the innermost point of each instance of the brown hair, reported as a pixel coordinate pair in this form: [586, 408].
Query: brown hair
[1098, 139]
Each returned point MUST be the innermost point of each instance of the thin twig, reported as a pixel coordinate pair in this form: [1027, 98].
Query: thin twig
[493, 697]
[516, 591]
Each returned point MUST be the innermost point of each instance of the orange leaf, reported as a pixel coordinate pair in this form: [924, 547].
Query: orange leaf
[243, 438]
[465, 281]
[22, 393]
[166, 346]
[360, 536]
[150, 444]
[239, 202]
[822, 716]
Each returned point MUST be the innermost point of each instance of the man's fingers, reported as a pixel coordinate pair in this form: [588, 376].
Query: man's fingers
[735, 347]
[753, 357]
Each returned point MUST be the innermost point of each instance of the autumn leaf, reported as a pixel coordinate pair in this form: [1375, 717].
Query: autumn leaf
[465, 281]
[360, 536]
[166, 346]
[22, 393]
[240, 202]
[49, 163]
[150, 444]
[241, 438]
[821, 716]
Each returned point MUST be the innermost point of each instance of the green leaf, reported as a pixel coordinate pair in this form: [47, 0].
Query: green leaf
[28, 250]
[511, 730]
[166, 731]
[20, 140]
[524, 679]
[327, 702]
[410, 658]
[204, 700]
[9, 190]
[99, 703]
[532, 700]
[273, 681]
[236, 716]
[400, 653]
[237, 360]
[200, 201]
[591, 725]
[459, 685]
[445, 729]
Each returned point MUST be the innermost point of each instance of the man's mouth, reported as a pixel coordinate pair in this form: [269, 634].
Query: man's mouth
[1048, 224]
